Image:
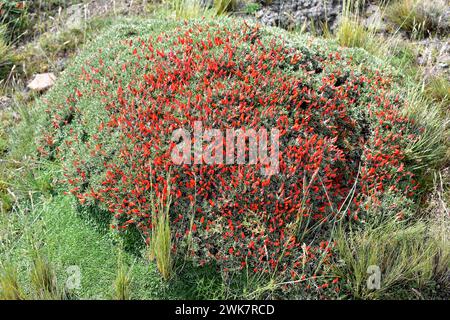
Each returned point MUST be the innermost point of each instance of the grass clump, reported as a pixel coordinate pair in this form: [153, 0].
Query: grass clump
[439, 233]
[122, 283]
[404, 254]
[43, 278]
[438, 88]
[427, 152]
[402, 55]
[224, 6]
[191, 9]
[352, 33]
[9, 284]
[6, 56]
[420, 18]
[161, 237]
[14, 15]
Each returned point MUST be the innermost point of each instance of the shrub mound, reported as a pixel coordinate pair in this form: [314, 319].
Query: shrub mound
[110, 122]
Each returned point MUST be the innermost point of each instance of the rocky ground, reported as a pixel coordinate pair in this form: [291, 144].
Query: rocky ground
[292, 14]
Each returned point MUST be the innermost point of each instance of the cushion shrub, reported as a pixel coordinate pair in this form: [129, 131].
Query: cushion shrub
[110, 119]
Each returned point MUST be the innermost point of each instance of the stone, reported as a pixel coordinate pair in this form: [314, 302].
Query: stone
[42, 82]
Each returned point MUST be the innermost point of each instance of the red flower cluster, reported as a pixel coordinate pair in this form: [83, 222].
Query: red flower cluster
[341, 142]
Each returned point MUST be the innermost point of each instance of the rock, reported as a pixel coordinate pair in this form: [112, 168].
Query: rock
[290, 14]
[5, 103]
[42, 82]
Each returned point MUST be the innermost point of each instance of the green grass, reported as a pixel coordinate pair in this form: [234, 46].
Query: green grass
[15, 18]
[401, 55]
[72, 241]
[425, 107]
[68, 240]
[25, 20]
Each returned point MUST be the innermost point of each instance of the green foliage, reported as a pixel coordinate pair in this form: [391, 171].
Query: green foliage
[74, 240]
[20, 174]
[69, 239]
[400, 54]
[188, 9]
[439, 234]
[26, 18]
[353, 7]
[428, 152]
[210, 282]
